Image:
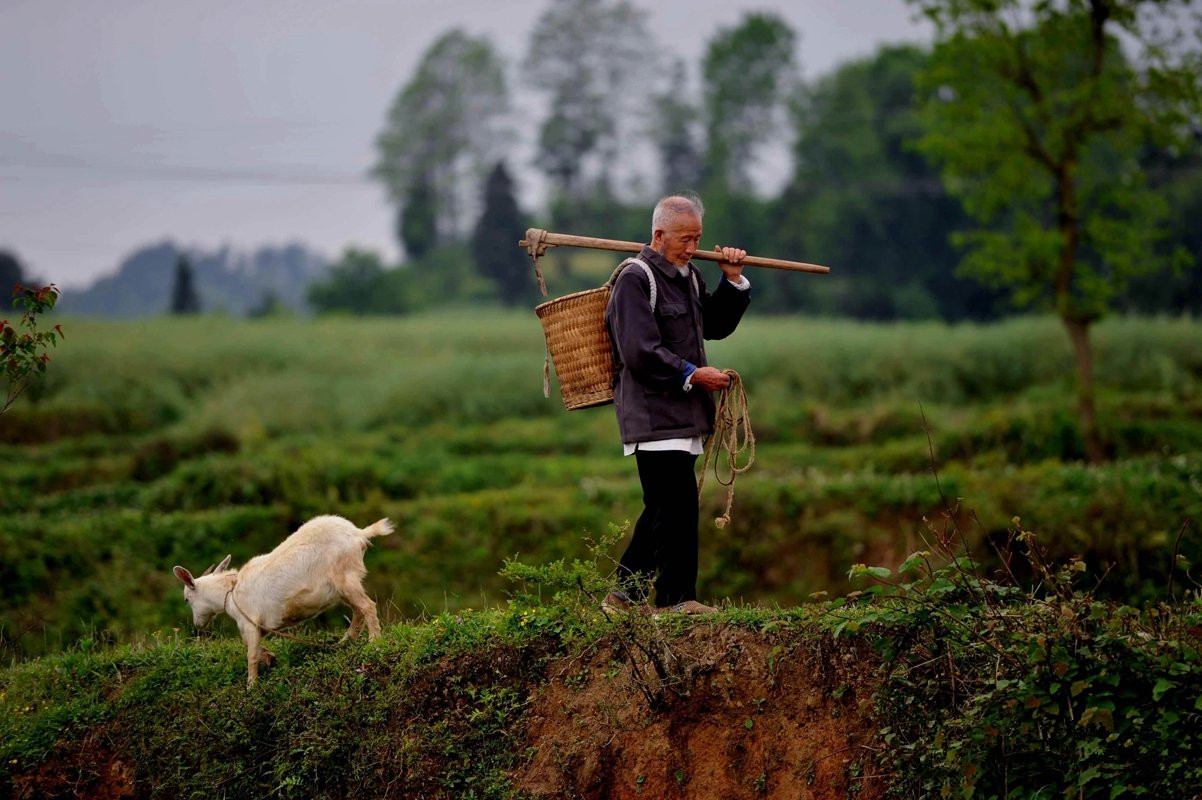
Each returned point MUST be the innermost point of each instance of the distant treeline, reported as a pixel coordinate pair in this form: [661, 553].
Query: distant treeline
[624, 123]
[153, 279]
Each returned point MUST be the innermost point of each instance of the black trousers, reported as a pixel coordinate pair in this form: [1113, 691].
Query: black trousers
[664, 544]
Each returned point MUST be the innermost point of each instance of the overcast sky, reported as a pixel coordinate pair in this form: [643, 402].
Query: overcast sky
[251, 122]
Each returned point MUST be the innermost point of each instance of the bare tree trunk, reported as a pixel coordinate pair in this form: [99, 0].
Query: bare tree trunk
[1078, 332]
[1076, 324]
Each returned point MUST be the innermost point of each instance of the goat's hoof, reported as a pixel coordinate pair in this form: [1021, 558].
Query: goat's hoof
[267, 658]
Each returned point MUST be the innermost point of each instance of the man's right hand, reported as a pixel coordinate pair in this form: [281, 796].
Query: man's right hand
[710, 378]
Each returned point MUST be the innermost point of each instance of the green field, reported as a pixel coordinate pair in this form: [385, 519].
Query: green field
[172, 441]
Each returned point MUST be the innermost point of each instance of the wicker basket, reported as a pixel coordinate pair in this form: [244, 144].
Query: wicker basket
[579, 347]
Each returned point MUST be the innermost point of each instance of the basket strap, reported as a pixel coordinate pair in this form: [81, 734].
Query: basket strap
[536, 246]
[646, 269]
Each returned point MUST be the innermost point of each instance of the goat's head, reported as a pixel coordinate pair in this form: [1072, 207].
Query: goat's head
[206, 594]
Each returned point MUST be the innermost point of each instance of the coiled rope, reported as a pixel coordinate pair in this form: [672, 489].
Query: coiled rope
[733, 436]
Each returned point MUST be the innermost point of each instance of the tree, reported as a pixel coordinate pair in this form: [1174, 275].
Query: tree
[494, 243]
[444, 130]
[352, 284]
[1037, 120]
[11, 271]
[1174, 289]
[673, 119]
[749, 71]
[184, 299]
[417, 219]
[588, 56]
[864, 202]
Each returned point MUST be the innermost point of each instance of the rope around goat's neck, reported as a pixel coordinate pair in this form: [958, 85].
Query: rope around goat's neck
[230, 596]
[732, 435]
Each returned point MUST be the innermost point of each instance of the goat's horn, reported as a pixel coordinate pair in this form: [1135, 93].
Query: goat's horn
[207, 571]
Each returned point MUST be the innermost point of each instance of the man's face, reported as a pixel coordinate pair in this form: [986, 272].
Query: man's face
[679, 238]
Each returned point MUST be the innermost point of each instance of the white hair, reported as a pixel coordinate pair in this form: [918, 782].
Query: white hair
[674, 205]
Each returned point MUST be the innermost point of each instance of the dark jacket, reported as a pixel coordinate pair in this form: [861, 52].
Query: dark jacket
[650, 349]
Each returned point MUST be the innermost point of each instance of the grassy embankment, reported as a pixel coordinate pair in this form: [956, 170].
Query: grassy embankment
[946, 685]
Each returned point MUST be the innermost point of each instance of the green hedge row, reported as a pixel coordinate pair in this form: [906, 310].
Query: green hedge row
[795, 529]
[276, 376]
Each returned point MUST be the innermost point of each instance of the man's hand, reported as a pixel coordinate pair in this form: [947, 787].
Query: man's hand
[732, 262]
[710, 378]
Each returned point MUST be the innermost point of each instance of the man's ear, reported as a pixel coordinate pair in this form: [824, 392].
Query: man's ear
[184, 576]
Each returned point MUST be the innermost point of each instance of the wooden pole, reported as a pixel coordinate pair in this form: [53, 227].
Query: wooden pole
[537, 240]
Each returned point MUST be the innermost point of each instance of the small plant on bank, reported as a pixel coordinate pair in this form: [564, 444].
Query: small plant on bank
[572, 592]
[23, 349]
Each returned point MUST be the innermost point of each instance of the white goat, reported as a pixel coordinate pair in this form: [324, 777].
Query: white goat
[309, 572]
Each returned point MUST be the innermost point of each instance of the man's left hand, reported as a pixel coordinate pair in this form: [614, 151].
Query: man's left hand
[732, 262]
[710, 378]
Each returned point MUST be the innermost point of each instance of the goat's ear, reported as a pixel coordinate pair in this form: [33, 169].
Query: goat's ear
[184, 576]
[225, 562]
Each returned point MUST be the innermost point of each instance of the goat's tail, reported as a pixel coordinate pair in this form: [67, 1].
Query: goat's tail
[381, 527]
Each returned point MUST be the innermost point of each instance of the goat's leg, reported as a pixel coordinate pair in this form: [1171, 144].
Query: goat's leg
[253, 655]
[356, 625]
[363, 607]
[370, 618]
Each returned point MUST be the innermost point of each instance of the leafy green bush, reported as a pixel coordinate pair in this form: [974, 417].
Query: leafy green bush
[990, 690]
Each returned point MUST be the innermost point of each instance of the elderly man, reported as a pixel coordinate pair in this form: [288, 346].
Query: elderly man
[658, 315]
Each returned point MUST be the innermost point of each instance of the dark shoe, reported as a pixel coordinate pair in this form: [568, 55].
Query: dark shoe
[620, 601]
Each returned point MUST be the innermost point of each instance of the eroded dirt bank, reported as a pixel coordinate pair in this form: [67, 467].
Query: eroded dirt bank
[733, 715]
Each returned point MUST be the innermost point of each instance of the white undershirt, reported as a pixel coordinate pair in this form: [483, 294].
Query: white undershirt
[693, 445]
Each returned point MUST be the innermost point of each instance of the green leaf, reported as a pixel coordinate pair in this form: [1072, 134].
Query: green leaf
[1162, 686]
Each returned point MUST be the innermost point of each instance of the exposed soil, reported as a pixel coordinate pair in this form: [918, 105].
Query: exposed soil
[743, 717]
[87, 769]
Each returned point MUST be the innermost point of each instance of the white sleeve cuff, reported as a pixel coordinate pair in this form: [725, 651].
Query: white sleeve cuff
[743, 284]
